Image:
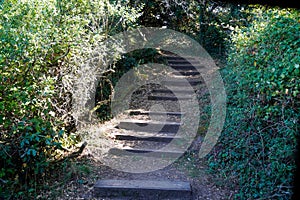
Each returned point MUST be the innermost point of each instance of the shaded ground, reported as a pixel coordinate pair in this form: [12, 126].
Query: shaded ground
[81, 175]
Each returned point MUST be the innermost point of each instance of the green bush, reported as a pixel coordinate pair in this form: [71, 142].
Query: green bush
[262, 77]
[43, 43]
[108, 82]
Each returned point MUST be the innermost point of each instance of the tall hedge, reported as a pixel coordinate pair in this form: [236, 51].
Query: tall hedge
[42, 45]
[262, 78]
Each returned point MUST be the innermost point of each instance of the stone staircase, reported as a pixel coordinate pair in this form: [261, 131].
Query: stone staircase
[144, 132]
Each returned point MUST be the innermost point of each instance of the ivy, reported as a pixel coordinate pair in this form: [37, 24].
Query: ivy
[262, 79]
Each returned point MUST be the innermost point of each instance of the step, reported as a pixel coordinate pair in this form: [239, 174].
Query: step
[163, 98]
[171, 57]
[172, 91]
[190, 62]
[186, 65]
[143, 189]
[180, 82]
[183, 67]
[142, 112]
[147, 137]
[186, 73]
[149, 126]
[157, 153]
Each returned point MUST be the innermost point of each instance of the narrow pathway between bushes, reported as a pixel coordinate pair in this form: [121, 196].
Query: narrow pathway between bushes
[132, 138]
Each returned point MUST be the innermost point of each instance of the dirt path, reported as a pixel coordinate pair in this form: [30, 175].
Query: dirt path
[204, 185]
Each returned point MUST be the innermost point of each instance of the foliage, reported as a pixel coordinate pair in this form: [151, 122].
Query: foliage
[106, 85]
[43, 44]
[262, 78]
[208, 22]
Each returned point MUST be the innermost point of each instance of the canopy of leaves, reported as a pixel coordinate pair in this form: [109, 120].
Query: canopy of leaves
[209, 22]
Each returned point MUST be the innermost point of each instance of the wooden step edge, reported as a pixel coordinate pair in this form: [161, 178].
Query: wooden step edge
[182, 83]
[143, 189]
[137, 121]
[158, 98]
[149, 126]
[144, 184]
[149, 137]
[179, 58]
[186, 65]
[179, 80]
[187, 73]
[172, 91]
[142, 112]
[175, 61]
[145, 152]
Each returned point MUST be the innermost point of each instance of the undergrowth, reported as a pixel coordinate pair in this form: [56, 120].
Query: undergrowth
[262, 83]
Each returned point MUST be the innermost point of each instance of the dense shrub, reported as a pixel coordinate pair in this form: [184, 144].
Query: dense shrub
[262, 78]
[43, 44]
[106, 84]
